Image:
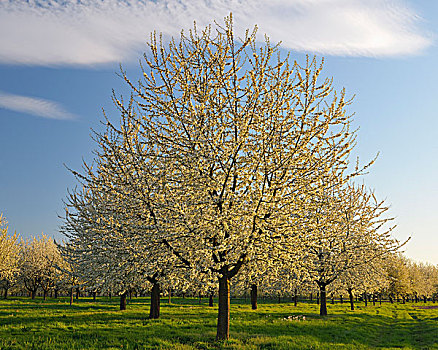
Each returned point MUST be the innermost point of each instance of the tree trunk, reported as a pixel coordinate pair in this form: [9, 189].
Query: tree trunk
[311, 297]
[77, 293]
[94, 296]
[44, 294]
[365, 298]
[374, 300]
[333, 299]
[210, 300]
[169, 296]
[323, 306]
[223, 320]
[295, 297]
[424, 298]
[390, 299]
[317, 298]
[56, 293]
[155, 301]
[200, 298]
[71, 296]
[5, 296]
[341, 298]
[350, 296]
[33, 293]
[254, 296]
[123, 301]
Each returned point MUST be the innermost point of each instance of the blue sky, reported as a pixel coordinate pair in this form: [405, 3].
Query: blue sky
[58, 62]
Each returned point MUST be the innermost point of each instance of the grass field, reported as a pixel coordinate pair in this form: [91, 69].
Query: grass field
[54, 324]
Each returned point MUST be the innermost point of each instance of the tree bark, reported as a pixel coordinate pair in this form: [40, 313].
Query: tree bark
[365, 298]
[5, 296]
[123, 300]
[77, 293]
[56, 293]
[311, 297]
[154, 312]
[390, 299]
[169, 296]
[317, 298]
[94, 296]
[44, 294]
[210, 300]
[323, 306]
[350, 296]
[33, 293]
[295, 297]
[254, 296]
[223, 320]
[341, 298]
[71, 296]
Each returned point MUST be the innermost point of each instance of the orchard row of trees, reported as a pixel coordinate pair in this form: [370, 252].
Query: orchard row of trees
[29, 265]
[36, 265]
[229, 168]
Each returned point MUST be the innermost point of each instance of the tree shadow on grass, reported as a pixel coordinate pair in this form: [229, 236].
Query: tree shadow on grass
[102, 325]
[370, 331]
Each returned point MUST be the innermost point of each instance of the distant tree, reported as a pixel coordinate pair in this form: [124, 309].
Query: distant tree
[112, 228]
[95, 250]
[9, 255]
[398, 276]
[367, 277]
[422, 279]
[39, 257]
[9, 249]
[345, 229]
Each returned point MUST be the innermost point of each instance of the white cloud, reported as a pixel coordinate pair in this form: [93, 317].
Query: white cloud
[89, 32]
[34, 106]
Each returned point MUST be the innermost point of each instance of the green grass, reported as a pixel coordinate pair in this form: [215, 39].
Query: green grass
[54, 324]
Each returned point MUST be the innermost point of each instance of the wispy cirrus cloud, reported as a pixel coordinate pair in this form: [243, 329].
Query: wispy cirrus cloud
[90, 32]
[34, 106]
